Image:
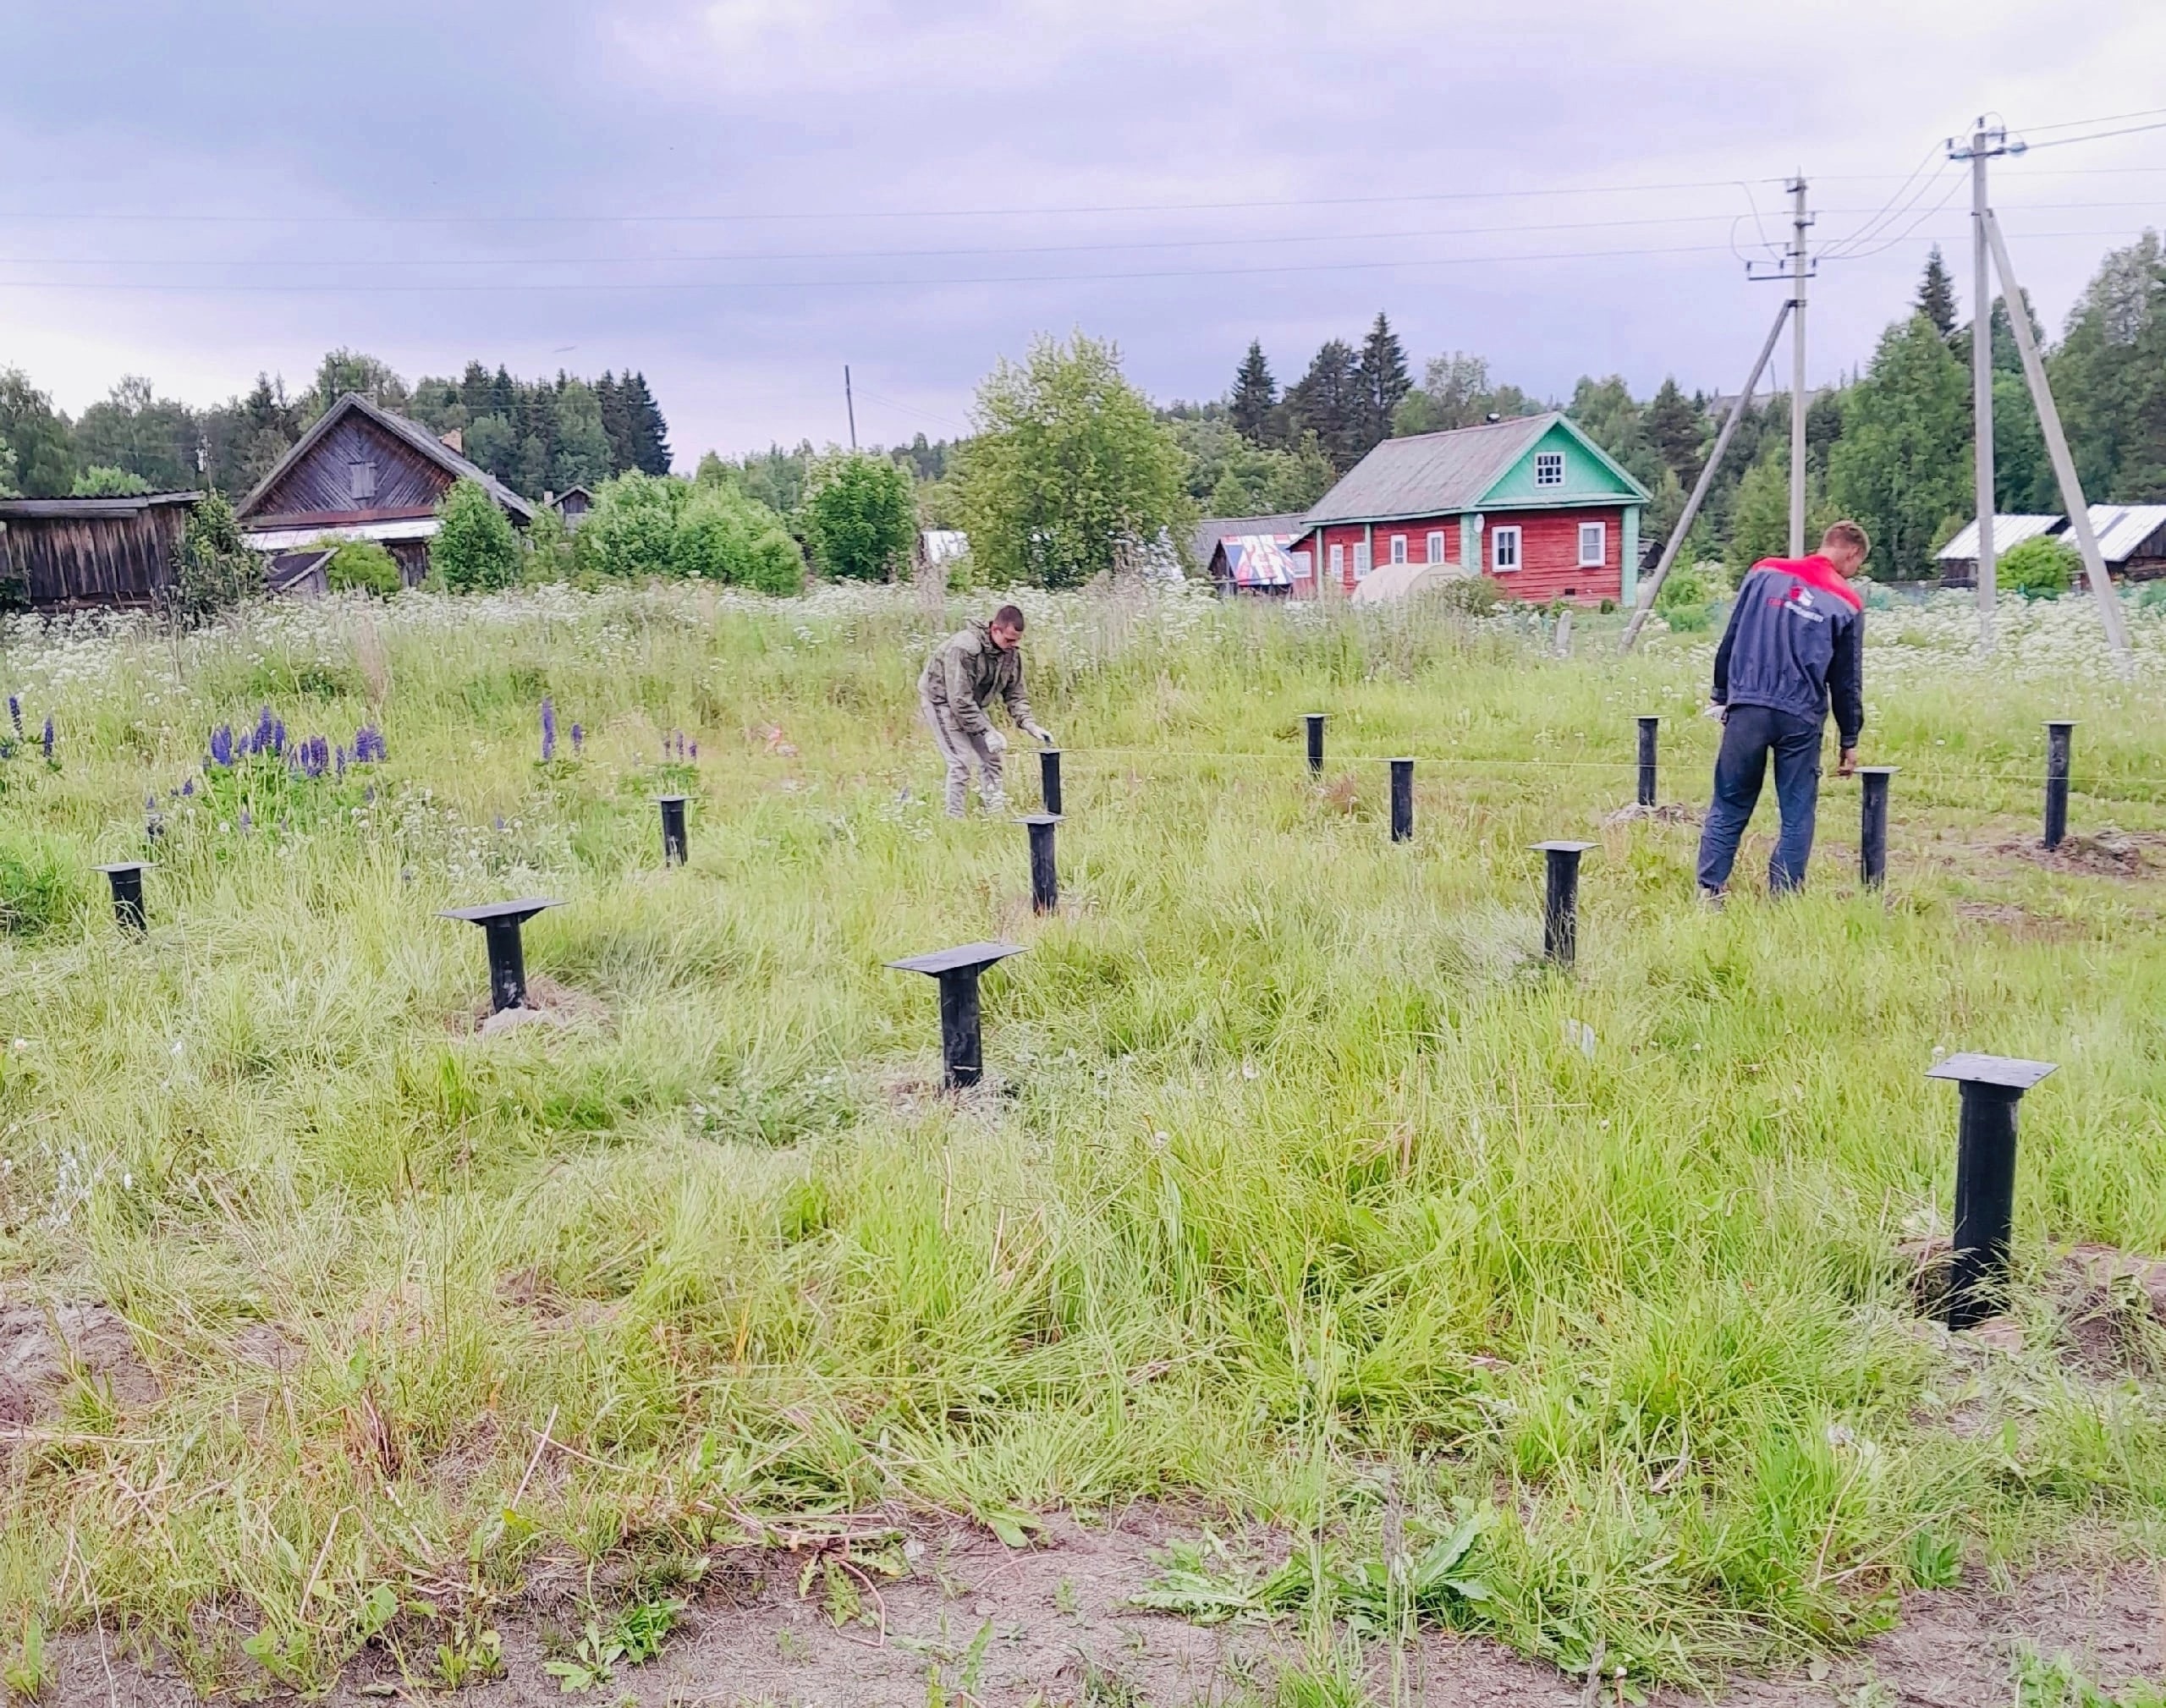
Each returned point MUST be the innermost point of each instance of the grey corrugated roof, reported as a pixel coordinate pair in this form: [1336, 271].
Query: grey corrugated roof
[2122, 529]
[2008, 531]
[1429, 473]
[413, 432]
[1213, 529]
[125, 504]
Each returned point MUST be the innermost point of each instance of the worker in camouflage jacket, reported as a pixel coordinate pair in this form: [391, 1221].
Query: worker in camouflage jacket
[960, 679]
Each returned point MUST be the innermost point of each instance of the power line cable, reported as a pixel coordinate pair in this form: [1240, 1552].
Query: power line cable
[2094, 136]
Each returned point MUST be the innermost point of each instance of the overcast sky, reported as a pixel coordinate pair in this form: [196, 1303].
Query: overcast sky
[740, 197]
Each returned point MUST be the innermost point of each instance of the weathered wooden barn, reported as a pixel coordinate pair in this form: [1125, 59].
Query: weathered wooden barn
[362, 473]
[58, 554]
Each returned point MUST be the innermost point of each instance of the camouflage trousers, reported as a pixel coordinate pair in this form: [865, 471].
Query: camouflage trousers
[962, 750]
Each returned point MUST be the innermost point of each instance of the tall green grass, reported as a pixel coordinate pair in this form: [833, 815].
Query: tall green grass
[1311, 1181]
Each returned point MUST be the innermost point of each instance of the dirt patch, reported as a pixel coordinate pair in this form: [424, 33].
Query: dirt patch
[2110, 1305]
[44, 1349]
[1669, 812]
[549, 1003]
[2110, 854]
[2016, 921]
[1056, 1630]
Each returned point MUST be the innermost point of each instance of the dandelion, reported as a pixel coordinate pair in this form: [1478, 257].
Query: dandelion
[549, 729]
[47, 739]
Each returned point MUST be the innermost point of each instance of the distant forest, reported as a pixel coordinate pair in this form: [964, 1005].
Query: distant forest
[535, 436]
[1890, 445]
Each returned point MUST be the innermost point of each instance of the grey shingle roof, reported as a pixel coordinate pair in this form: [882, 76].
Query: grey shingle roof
[1430, 473]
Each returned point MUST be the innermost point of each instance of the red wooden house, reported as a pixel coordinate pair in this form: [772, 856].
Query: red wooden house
[1535, 505]
[362, 473]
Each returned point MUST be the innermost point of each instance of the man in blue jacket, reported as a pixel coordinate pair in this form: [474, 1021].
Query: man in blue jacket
[1794, 646]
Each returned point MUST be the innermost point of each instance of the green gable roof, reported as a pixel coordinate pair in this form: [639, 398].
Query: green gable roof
[1592, 476]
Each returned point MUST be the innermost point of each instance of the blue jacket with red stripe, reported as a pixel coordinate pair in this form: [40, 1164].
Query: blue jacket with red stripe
[1796, 643]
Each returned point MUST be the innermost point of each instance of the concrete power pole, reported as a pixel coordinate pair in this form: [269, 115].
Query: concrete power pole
[850, 403]
[1986, 141]
[1800, 222]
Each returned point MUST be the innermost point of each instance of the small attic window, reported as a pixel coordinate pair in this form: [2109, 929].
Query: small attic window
[1548, 467]
[361, 475]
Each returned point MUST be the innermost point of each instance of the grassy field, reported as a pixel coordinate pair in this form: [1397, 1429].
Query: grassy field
[1308, 1197]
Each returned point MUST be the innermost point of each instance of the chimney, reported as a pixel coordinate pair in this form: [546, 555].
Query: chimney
[455, 440]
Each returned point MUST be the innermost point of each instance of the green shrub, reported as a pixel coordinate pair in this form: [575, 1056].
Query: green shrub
[363, 565]
[1686, 595]
[40, 885]
[858, 517]
[650, 525]
[2039, 567]
[476, 550]
[102, 481]
[215, 568]
[1475, 596]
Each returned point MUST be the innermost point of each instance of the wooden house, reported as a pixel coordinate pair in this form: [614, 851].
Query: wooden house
[57, 554]
[362, 473]
[572, 505]
[1534, 504]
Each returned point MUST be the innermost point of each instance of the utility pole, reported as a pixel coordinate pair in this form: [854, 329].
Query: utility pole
[851, 404]
[2050, 422]
[1801, 270]
[1986, 141]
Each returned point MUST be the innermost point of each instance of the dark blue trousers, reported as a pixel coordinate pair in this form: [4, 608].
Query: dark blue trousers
[1752, 734]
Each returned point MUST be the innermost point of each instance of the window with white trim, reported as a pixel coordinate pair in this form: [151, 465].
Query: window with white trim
[1337, 562]
[1504, 549]
[1360, 559]
[1436, 547]
[1305, 565]
[1548, 467]
[1594, 545]
[1399, 548]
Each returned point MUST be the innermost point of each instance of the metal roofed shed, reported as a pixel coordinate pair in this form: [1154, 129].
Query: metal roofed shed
[2131, 538]
[1203, 539]
[1252, 563]
[1959, 557]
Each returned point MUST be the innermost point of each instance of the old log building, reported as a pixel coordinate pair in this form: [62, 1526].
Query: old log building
[58, 554]
[362, 473]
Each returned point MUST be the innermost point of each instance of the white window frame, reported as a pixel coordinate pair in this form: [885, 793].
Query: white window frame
[1305, 565]
[1338, 563]
[1399, 548]
[1434, 546]
[1599, 533]
[1548, 467]
[1499, 539]
[1361, 563]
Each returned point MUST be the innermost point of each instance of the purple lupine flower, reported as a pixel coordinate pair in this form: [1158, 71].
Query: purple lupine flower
[695, 751]
[245, 821]
[189, 787]
[368, 795]
[45, 741]
[278, 736]
[549, 729]
[341, 773]
[221, 744]
[265, 726]
[578, 740]
[500, 820]
[15, 714]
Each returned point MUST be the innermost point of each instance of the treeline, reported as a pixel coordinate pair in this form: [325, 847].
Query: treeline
[535, 436]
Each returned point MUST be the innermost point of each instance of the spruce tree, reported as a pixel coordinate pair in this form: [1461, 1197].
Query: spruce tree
[1674, 425]
[647, 432]
[1253, 408]
[1326, 401]
[1382, 380]
[611, 396]
[1937, 295]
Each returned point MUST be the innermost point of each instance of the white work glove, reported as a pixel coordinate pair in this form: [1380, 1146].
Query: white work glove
[995, 742]
[1039, 732]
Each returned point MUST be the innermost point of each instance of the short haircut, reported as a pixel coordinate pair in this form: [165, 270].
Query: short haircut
[1007, 617]
[1848, 533]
